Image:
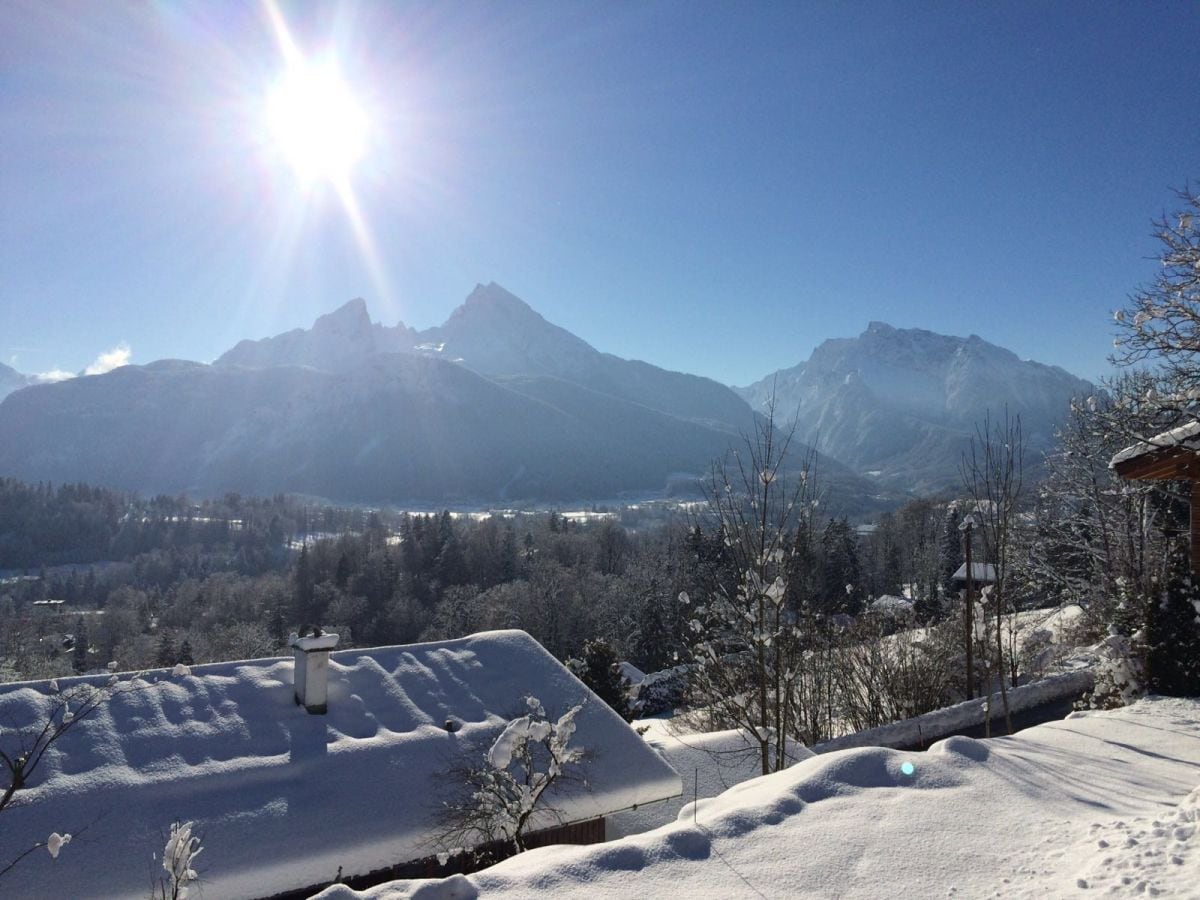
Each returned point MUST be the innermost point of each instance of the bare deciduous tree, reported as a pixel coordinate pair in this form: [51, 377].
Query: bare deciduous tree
[1099, 538]
[993, 475]
[748, 649]
[1161, 325]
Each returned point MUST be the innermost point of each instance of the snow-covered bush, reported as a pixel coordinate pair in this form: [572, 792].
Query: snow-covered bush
[882, 678]
[530, 755]
[179, 856]
[662, 691]
[1119, 675]
[1036, 652]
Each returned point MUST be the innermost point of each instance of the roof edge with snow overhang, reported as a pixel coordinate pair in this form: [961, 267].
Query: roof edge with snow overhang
[1170, 455]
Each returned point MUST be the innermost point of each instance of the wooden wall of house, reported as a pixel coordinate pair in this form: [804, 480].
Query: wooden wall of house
[589, 832]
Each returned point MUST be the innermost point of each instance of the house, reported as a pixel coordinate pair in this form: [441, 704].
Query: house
[1171, 456]
[981, 574]
[286, 798]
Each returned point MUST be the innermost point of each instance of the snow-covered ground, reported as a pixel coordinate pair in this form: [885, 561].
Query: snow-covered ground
[1099, 804]
[709, 764]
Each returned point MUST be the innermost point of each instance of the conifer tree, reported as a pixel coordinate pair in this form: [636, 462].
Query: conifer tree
[1173, 634]
[951, 553]
[599, 669]
[302, 593]
[841, 573]
[79, 653]
[166, 655]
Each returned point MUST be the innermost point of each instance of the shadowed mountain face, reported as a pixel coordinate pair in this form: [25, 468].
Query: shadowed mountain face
[495, 404]
[395, 427]
[903, 404]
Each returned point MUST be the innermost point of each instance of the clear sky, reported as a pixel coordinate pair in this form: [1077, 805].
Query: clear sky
[711, 187]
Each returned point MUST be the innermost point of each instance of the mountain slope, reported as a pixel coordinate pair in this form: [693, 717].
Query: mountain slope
[905, 402]
[393, 428]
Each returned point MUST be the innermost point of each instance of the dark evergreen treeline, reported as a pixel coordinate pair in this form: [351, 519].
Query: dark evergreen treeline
[44, 526]
[153, 582]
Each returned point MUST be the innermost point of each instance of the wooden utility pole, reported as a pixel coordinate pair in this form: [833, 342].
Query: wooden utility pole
[969, 609]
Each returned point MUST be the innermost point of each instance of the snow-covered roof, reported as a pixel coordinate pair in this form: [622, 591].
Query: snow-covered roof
[891, 603]
[283, 798]
[1185, 436]
[984, 572]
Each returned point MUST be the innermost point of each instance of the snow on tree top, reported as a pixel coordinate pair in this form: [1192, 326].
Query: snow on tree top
[283, 798]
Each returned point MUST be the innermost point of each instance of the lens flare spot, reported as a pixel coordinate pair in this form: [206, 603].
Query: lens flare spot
[907, 768]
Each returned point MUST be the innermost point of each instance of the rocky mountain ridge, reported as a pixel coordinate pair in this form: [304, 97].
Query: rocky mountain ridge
[499, 403]
[495, 404]
[903, 404]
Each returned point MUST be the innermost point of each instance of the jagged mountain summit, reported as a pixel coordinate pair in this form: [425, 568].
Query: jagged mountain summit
[336, 340]
[493, 332]
[498, 335]
[902, 404]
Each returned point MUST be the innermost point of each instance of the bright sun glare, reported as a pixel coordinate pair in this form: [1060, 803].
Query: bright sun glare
[316, 122]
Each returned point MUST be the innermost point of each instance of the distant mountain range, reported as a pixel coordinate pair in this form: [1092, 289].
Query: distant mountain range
[496, 404]
[499, 404]
[903, 404]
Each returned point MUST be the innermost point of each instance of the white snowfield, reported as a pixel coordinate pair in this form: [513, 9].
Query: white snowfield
[280, 798]
[1100, 804]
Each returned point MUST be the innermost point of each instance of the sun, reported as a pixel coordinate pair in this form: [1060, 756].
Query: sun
[316, 122]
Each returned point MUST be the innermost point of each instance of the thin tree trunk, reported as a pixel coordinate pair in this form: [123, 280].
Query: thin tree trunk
[1000, 656]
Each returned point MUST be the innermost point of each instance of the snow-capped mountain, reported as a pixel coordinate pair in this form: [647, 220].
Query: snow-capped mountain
[496, 403]
[498, 335]
[902, 404]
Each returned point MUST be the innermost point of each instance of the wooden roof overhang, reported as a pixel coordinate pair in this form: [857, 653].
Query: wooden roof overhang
[1180, 461]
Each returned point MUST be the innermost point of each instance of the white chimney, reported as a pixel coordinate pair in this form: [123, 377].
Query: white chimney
[312, 669]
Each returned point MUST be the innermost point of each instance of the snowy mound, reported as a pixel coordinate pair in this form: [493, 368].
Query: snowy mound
[709, 764]
[1014, 817]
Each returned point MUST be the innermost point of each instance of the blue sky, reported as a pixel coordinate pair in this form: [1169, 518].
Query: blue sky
[711, 187]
